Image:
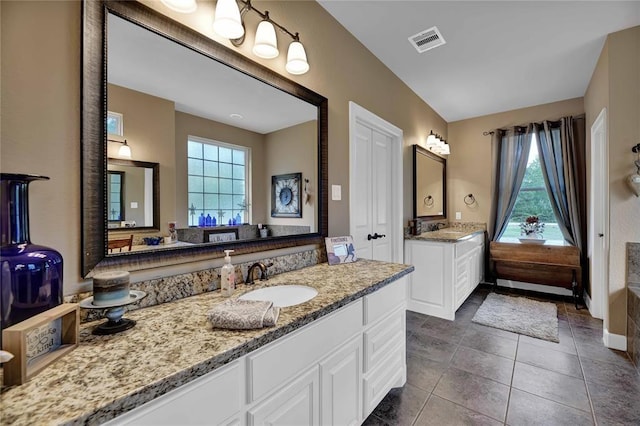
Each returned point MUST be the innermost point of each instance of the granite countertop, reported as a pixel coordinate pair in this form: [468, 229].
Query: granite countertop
[447, 235]
[172, 344]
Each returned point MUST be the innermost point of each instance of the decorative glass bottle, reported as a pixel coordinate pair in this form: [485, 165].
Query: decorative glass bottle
[30, 274]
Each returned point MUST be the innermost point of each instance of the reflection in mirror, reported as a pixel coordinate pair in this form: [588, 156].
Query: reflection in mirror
[133, 195]
[429, 184]
[161, 135]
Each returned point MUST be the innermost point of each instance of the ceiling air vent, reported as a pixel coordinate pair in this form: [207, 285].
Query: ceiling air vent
[427, 39]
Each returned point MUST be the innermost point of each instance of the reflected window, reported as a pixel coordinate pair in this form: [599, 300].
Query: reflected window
[217, 182]
[114, 123]
[116, 196]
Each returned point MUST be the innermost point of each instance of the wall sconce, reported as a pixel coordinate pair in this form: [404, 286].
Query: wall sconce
[436, 144]
[125, 150]
[228, 23]
[634, 179]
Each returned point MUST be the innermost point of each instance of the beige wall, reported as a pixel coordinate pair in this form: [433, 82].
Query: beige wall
[148, 127]
[292, 150]
[615, 84]
[190, 125]
[469, 165]
[40, 113]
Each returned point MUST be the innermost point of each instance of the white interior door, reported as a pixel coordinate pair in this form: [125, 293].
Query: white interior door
[599, 217]
[375, 200]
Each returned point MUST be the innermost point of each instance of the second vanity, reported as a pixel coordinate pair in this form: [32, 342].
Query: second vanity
[330, 360]
[449, 265]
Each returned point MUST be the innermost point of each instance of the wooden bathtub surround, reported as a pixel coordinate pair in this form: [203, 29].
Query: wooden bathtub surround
[557, 266]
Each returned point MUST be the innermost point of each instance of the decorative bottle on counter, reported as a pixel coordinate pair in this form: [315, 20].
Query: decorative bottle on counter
[31, 275]
[227, 276]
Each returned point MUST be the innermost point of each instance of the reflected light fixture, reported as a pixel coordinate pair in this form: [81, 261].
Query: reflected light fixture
[266, 43]
[182, 6]
[125, 149]
[228, 23]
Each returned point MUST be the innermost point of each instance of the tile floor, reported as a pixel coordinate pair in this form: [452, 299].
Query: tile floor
[463, 373]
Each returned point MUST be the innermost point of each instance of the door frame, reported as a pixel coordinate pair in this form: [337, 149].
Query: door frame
[358, 114]
[599, 220]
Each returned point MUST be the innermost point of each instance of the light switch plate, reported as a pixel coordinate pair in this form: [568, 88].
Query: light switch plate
[458, 215]
[134, 204]
[336, 192]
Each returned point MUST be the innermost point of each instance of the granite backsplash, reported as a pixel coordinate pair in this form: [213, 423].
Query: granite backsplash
[171, 288]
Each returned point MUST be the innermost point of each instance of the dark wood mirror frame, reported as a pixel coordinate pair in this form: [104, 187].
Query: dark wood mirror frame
[418, 150]
[155, 167]
[94, 138]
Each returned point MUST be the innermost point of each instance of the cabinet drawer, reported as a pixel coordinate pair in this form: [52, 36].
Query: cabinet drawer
[383, 338]
[385, 300]
[211, 399]
[278, 362]
[388, 374]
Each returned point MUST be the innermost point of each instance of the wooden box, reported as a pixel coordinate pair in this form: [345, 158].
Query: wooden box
[15, 340]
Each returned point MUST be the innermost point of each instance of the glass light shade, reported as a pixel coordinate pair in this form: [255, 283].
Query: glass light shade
[296, 59]
[125, 151]
[182, 6]
[266, 43]
[431, 139]
[227, 22]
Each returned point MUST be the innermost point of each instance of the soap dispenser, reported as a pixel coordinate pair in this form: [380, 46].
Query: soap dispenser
[227, 276]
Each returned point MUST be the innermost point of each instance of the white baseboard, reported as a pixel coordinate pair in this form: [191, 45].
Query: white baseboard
[614, 341]
[534, 287]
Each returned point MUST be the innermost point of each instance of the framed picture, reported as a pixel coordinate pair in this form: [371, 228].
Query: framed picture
[340, 250]
[39, 341]
[285, 195]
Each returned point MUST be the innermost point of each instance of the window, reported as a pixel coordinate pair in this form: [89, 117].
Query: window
[116, 196]
[533, 200]
[114, 123]
[217, 182]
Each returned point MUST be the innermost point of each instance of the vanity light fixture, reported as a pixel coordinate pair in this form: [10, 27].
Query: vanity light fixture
[436, 144]
[228, 23]
[125, 149]
[182, 6]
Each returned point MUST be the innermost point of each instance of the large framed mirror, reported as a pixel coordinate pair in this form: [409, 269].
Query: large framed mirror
[217, 125]
[429, 185]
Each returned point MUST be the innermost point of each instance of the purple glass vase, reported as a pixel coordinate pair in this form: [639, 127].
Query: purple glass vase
[30, 274]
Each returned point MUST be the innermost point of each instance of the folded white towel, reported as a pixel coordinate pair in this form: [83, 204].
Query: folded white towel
[236, 314]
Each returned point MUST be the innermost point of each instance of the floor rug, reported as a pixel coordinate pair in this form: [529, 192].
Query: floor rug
[519, 315]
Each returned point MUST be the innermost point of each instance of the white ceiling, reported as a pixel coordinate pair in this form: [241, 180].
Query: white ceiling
[141, 60]
[498, 56]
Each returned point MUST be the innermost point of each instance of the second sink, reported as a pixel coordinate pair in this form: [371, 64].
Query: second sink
[282, 295]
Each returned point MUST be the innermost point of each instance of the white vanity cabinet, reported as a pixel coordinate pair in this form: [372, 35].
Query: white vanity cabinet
[333, 371]
[446, 273]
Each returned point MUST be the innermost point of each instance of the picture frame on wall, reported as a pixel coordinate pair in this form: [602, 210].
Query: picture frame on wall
[286, 200]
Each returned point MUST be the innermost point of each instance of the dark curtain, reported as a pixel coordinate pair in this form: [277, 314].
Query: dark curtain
[561, 150]
[510, 151]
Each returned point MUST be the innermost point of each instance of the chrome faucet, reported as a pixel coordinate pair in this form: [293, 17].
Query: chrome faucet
[263, 272]
[437, 226]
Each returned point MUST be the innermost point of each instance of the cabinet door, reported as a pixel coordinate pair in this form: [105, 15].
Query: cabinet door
[340, 379]
[462, 281]
[294, 405]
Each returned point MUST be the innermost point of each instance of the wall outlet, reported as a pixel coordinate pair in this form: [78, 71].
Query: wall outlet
[336, 192]
[458, 215]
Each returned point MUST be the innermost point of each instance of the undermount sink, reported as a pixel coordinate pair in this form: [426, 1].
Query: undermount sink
[444, 231]
[282, 295]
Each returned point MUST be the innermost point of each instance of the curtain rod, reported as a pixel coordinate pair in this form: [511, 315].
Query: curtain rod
[576, 117]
